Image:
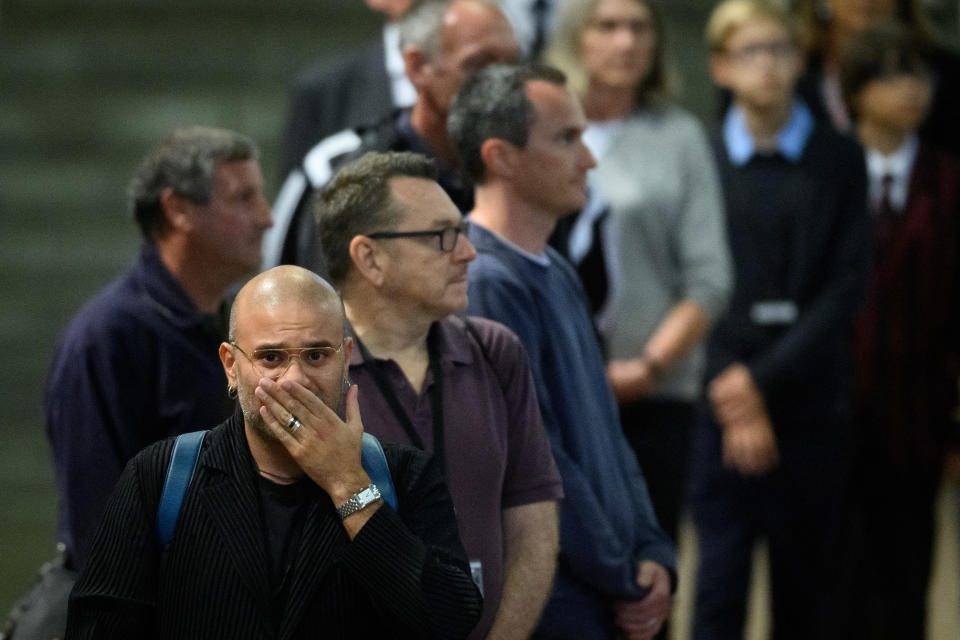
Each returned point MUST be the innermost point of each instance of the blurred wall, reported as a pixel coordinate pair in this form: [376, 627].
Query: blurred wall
[85, 89]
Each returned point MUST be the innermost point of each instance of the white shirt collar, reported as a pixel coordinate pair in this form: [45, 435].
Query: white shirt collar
[898, 165]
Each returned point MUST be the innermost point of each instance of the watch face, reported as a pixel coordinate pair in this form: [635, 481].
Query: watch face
[359, 501]
[368, 495]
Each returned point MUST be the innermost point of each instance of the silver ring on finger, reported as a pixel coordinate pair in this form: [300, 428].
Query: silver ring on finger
[294, 425]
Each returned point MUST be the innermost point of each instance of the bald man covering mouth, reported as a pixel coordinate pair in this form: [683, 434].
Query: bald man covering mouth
[281, 531]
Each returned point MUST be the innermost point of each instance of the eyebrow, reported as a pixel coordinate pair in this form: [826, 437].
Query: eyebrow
[309, 345]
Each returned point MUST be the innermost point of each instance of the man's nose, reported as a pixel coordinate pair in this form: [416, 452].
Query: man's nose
[295, 371]
[464, 251]
[589, 161]
[264, 214]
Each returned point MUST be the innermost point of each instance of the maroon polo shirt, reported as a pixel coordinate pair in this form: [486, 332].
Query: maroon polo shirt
[496, 450]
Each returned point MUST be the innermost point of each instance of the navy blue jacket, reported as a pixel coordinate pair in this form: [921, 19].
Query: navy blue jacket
[130, 369]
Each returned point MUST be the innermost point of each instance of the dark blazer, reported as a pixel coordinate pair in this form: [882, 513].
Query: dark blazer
[799, 233]
[335, 94]
[404, 575]
[908, 332]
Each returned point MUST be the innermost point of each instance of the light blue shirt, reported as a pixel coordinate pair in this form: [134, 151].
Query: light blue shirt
[791, 139]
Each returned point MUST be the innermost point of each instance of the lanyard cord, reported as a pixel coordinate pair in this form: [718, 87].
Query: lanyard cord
[436, 398]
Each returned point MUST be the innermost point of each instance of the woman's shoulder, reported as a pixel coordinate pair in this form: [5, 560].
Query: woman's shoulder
[670, 119]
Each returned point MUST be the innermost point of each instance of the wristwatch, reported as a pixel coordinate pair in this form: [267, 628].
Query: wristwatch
[358, 501]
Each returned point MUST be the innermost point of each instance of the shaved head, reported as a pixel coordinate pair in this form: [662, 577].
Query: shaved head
[283, 285]
[287, 307]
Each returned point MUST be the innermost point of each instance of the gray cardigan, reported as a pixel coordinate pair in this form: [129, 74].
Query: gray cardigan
[666, 239]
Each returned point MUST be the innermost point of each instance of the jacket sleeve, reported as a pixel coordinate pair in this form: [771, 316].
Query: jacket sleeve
[100, 385]
[590, 546]
[115, 595]
[412, 560]
[702, 249]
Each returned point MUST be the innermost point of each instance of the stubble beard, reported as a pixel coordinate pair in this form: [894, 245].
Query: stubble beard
[250, 406]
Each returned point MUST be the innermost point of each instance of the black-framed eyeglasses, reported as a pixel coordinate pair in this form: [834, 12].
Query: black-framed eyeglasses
[448, 235]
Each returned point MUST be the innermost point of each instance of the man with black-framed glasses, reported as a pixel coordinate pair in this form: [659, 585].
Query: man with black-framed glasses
[397, 249]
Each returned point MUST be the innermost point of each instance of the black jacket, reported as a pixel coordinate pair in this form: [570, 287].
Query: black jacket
[403, 576]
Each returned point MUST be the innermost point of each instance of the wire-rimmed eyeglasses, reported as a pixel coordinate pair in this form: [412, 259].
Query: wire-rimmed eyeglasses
[273, 362]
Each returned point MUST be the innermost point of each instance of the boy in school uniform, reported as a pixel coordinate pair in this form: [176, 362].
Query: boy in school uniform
[906, 341]
[770, 441]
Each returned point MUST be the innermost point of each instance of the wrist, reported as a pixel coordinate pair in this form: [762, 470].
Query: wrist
[654, 368]
[347, 486]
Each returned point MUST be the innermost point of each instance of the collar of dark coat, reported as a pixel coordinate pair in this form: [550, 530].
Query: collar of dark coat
[166, 295]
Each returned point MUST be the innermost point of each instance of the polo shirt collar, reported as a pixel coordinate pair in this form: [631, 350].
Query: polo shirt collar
[455, 344]
[791, 140]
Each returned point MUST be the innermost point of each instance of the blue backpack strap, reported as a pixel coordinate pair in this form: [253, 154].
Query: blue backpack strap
[183, 464]
[375, 464]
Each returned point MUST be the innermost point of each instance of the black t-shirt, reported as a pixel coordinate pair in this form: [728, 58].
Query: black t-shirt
[283, 512]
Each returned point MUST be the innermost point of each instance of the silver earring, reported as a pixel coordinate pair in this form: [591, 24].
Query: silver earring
[231, 392]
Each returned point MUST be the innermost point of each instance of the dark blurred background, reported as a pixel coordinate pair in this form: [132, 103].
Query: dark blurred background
[85, 89]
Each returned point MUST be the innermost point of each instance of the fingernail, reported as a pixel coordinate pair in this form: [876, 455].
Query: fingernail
[260, 393]
[266, 383]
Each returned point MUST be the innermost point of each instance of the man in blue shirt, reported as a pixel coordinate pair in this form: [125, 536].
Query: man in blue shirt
[517, 131]
[139, 361]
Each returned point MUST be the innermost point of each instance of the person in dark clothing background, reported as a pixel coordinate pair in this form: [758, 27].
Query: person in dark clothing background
[442, 42]
[829, 27]
[907, 345]
[770, 443]
[133, 363]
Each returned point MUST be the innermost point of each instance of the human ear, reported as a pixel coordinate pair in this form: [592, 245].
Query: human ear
[229, 362]
[368, 259]
[177, 210]
[499, 157]
[417, 67]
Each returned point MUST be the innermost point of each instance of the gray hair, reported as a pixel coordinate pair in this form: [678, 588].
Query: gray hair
[419, 27]
[186, 162]
[493, 103]
[358, 201]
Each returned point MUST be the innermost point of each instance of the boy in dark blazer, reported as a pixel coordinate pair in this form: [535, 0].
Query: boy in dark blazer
[769, 444]
[906, 345]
